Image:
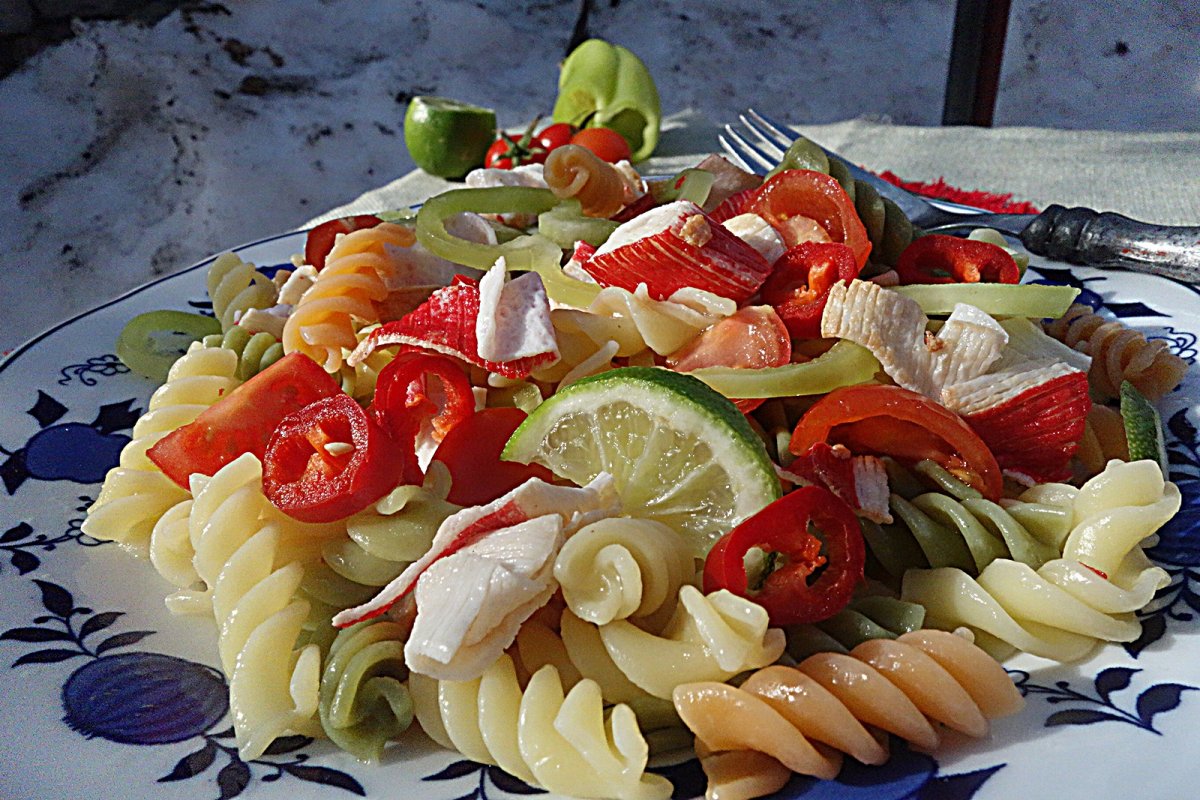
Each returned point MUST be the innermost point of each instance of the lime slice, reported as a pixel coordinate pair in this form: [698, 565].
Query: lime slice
[1143, 427]
[680, 453]
[447, 138]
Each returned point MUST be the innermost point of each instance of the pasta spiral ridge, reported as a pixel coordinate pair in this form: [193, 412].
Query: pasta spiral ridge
[136, 493]
[255, 351]
[1119, 353]
[829, 698]
[575, 172]
[364, 700]
[322, 324]
[1062, 609]
[235, 286]
[1104, 439]
[562, 742]
[621, 567]
[865, 618]
[250, 556]
[574, 648]
[620, 323]
[954, 526]
[381, 541]
[709, 637]
[888, 228]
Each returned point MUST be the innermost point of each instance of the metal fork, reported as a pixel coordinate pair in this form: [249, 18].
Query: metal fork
[765, 141]
[1077, 235]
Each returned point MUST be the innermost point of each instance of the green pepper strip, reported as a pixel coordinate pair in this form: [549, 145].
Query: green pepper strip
[690, 184]
[846, 364]
[151, 342]
[566, 224]
[533, 253]
[1036, 301]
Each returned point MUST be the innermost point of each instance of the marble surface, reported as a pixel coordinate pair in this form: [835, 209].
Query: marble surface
[131, 151]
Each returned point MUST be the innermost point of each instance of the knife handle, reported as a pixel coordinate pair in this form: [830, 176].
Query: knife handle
[1083, 236]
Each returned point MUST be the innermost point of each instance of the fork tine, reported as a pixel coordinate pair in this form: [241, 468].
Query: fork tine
[749, 153]
[769, 146]
[764, 126]
[734, 153]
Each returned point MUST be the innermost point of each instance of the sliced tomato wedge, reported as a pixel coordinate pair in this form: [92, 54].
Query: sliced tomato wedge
[800, 282]
[242, 421]
[807, 532]
[322, 238]
[421, 397]
[891, 421]
[752, 338]
[471, 451]
[329, 460]
[936, 258]
[807, 193]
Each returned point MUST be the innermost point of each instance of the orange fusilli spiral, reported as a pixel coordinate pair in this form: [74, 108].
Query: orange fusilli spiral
[1119, 353]
[346, 291]
[573, 171]
[1103, 440]
[751, 738]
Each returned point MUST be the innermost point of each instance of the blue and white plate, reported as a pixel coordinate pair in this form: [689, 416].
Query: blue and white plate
[104, 694]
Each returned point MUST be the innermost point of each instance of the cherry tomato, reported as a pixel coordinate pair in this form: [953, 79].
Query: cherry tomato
[471, 451]
[606, 143]
[552, 137]
[815, 195]
[242, 421]
[322, 238]
[800, 280]
[753, 338]
[890, 421]
[307, 475]
[505, 153]
[948, 259]
[784, 528]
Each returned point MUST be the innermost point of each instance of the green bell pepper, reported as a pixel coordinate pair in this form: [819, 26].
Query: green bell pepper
[607, 86]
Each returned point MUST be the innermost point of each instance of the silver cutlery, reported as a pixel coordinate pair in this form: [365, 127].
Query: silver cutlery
[1076, 235]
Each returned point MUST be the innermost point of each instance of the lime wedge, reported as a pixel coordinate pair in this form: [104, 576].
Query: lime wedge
[1143, 427]
[447, 138]
[680, 453]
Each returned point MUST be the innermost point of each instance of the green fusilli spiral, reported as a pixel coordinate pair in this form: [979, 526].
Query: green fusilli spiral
[255, 351]
[954, 526]
[364, 700]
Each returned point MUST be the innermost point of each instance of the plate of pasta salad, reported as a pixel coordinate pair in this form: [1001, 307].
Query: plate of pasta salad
[579, 483]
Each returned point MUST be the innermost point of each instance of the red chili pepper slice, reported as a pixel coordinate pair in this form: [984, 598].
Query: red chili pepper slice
[404, 389]
[784, 530]
[471, 451]
[799, 285]
[322, 238]
[307, 475]
[937, 258]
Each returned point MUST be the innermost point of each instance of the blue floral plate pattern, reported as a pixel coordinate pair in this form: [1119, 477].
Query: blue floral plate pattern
[104, 693]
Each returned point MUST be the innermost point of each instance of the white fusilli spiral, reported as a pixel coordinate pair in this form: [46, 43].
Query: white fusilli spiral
[235, 287]
[251, 557]
[136, 493]
[709, 637]
[1090, 594]
[563, 743]
[622, 567]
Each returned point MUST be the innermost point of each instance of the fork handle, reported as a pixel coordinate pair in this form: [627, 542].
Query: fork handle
[1084, 236]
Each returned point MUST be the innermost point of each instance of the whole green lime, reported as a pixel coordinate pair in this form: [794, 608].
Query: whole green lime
[447, 138]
